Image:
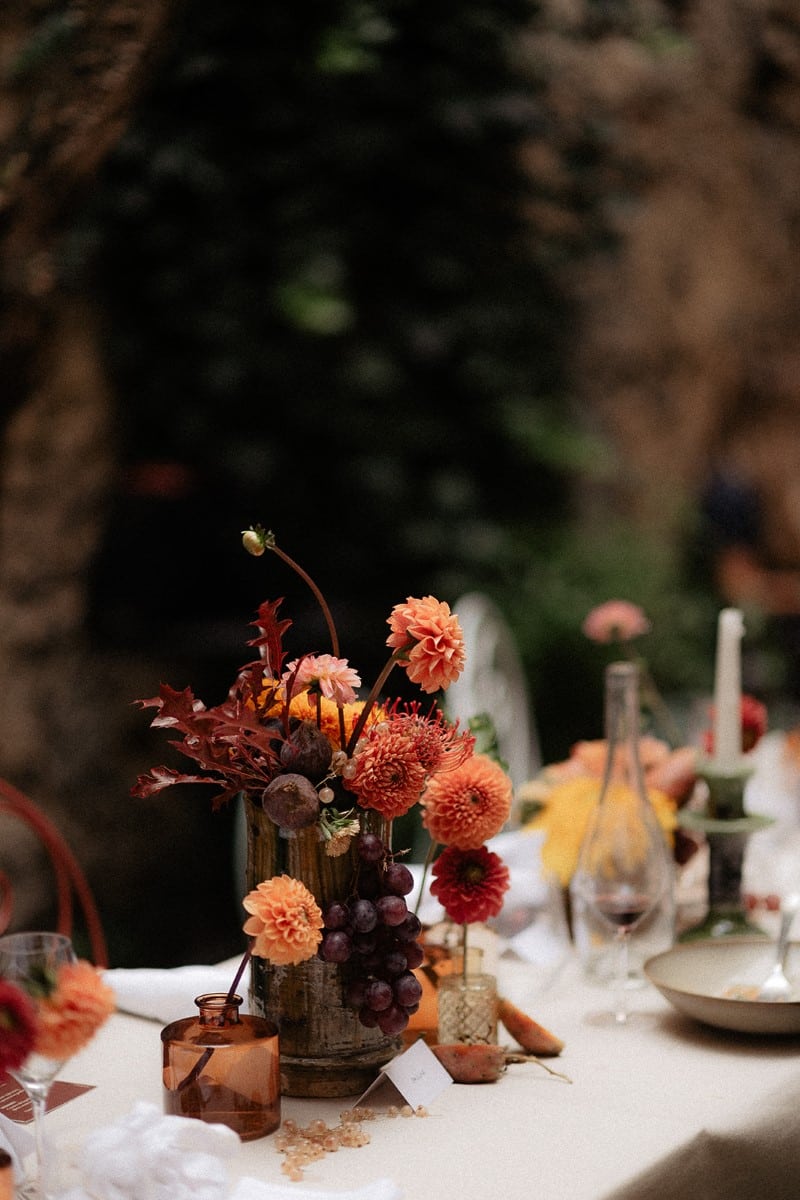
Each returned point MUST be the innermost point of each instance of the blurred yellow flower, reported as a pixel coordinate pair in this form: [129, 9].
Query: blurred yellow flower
[564, 817]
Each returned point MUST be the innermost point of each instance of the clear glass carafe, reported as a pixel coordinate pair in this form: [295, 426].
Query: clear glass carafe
[223, 1067]
[634, 852]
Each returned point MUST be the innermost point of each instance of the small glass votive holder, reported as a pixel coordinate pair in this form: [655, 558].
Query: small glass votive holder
[468, 1009]
[223, 1067]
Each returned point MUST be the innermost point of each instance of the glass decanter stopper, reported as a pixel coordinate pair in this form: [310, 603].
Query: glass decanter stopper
[624, 881]
[223, 1067]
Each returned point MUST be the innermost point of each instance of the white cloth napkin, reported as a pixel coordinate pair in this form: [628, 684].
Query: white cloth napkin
[17, 1141]
[167, 995]
[149, 1156]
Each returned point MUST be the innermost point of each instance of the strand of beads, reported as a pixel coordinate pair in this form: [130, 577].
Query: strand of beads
[305, 1144]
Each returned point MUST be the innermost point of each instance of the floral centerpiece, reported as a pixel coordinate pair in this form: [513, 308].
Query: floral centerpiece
[324, 773]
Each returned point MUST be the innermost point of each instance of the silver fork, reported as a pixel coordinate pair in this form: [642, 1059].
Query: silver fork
[776, 986]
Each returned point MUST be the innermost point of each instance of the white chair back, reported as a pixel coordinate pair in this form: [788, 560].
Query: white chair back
[493, 682]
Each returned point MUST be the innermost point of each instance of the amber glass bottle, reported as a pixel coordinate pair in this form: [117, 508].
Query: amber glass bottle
[223, 1067]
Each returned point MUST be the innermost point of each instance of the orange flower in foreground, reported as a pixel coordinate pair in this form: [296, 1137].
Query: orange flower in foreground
[73, 1012]
[432, 636]
[285, 921]
[469, 805]
[470, 884]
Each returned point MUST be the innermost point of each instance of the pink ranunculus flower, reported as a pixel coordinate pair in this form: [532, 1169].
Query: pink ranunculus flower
[333, 677]
[616, 620]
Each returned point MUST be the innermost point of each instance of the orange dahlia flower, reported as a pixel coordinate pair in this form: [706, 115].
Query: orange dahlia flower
[432, 636]
[470, 884]
[73, 1012]
[325, 715]
[469, 805]
[285, 921]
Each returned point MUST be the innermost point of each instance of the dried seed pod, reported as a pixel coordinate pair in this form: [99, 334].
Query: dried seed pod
[307, 751]
[291, 801]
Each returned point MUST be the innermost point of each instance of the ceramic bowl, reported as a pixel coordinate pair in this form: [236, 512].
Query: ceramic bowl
[712, 981]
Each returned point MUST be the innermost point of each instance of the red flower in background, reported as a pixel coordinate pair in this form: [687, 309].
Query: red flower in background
[470, 884]
[754, 725]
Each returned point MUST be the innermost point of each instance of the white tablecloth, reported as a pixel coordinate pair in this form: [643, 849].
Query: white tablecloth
[659, 1109]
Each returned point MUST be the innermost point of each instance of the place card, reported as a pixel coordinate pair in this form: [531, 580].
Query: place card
[15, 1104]
[414, 1077]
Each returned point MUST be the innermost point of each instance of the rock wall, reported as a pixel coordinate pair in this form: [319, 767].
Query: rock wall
[668, 166]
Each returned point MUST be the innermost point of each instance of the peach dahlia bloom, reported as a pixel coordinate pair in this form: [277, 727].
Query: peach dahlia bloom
[432, 636]
[73, 1012]
[469, 805]
[616, 620]
[285, 921]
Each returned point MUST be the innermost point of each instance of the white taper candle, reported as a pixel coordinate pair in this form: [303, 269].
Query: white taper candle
[727, 755]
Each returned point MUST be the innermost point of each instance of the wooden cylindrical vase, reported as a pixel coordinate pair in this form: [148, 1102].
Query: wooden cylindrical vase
[324, 1049]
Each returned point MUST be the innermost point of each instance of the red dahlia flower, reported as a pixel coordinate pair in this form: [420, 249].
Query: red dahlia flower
[470, 884]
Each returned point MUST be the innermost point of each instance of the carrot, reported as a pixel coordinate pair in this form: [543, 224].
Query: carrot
[471, 1064]
[531, 1036]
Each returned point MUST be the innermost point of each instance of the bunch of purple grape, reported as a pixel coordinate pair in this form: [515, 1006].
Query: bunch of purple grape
[375, 933]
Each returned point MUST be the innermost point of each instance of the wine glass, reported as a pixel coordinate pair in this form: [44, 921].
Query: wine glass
[31, 960]
[622, 873]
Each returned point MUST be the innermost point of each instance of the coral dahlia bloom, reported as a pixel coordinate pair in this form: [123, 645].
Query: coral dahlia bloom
[469, 805]
[432, 637]
[333, 677]
[17, 1026]
[470, 884]
[73, 1012]
[616, 620]
[385, 773]
[285, 921]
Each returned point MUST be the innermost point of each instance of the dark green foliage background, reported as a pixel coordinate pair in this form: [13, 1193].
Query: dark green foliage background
[324, 299]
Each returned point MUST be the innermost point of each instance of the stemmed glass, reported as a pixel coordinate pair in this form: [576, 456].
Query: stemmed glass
[623, 891]
[623, 866]
[31, 960]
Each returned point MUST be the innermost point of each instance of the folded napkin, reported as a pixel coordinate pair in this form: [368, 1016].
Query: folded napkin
[167, 995]
[149, 1156]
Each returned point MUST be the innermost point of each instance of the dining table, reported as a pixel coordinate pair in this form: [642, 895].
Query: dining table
[660, 1107]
